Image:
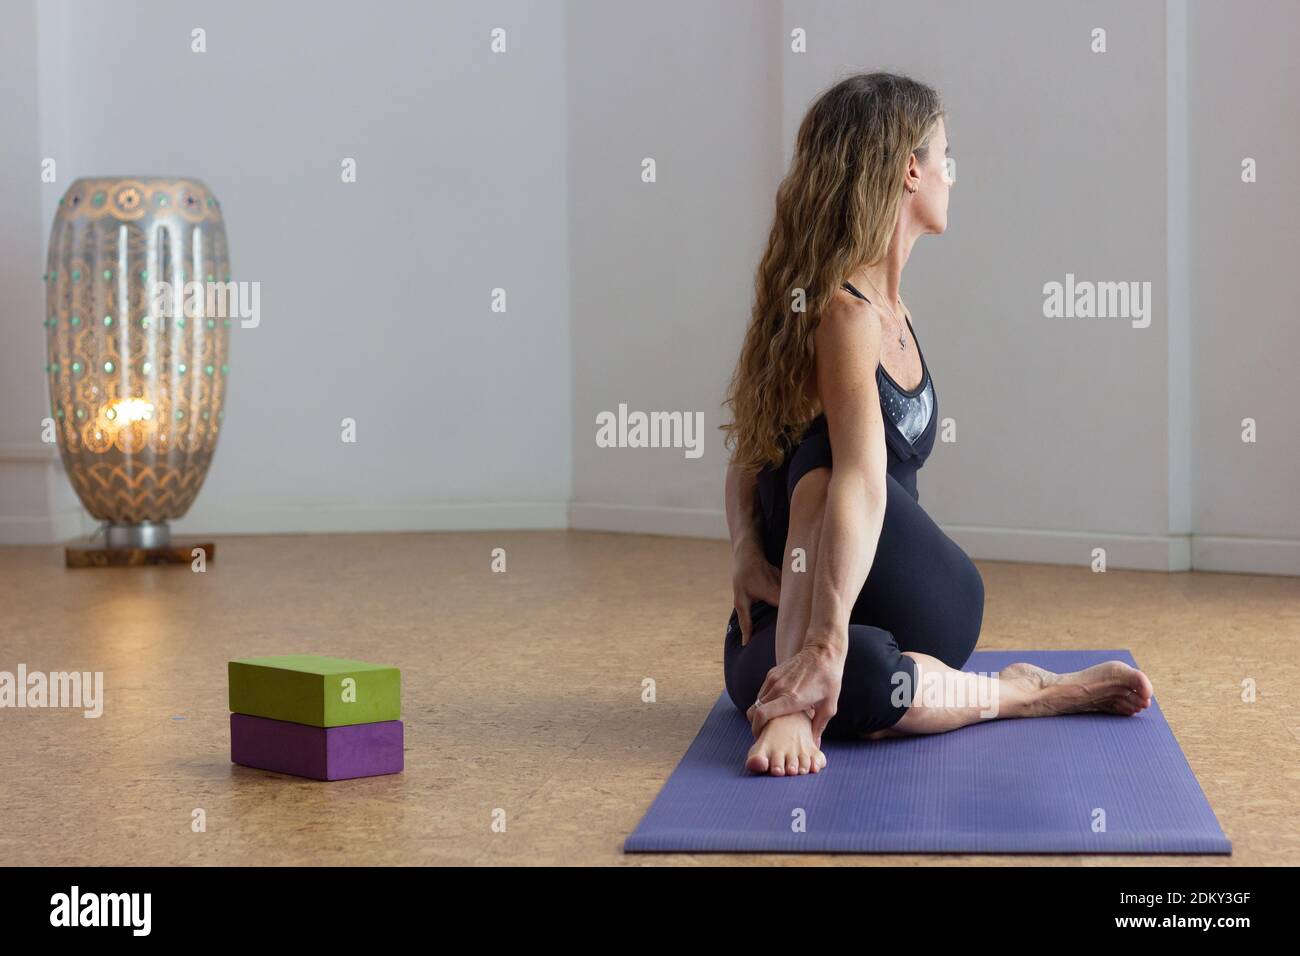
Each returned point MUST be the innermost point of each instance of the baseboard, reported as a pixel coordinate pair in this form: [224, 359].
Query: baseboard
[640, 519]
[473, 516]
[349, 519]
[1236, 555]
[1137, 552]
[18, 530]
[1132, 552]
[29, 513]
[1218, 553]
[38, 452]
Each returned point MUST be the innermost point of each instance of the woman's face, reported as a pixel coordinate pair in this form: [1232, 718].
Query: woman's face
[930, 201]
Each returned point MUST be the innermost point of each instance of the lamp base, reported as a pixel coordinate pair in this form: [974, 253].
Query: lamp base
[142, 534]
[84, 554]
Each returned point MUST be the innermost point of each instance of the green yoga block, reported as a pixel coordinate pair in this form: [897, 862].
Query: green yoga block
[313, 690]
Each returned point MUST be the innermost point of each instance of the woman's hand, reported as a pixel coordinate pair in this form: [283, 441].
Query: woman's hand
[809, 681]
[752, 579]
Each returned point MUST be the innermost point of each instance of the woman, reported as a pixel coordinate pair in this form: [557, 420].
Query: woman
[879, 609]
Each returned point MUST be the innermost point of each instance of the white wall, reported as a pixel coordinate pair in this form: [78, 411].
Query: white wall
[1245, 91]
[1060, 423]
[375, 295]
[36, 501]
[661, 274]
[524, 171]
[1044, 409]
[1072, 434]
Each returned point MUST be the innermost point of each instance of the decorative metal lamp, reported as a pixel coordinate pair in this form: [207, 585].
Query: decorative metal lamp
[137, 376]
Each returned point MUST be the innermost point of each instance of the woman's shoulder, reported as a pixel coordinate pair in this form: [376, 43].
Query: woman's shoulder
[849, 319]
[847, 342]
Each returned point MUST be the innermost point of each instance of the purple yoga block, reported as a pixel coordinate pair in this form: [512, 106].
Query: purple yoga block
[321, 753]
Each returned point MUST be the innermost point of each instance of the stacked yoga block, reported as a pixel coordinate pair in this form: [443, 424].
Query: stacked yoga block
[321, 717]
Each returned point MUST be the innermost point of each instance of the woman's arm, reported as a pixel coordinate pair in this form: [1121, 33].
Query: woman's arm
[742, 508]
[752, 578]
[848, 350]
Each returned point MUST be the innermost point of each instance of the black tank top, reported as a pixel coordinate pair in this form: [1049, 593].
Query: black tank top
[910, 411]
[910, 421]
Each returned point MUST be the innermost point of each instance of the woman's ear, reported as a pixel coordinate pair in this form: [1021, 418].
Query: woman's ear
[912, 178]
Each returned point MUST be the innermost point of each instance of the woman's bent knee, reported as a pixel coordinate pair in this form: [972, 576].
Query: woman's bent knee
[964, 598]
[876, 684]
[973, 602]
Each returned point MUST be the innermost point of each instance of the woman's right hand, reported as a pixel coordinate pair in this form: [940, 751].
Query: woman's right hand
[752, 579]
[808, 682]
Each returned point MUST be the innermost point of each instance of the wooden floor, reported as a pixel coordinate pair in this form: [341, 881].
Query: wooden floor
[522, 691]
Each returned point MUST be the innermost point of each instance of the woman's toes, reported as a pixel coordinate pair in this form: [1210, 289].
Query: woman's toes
[1144, 688]
[757, 760]
[778, 765]
[805, 762]
[792, 765]
[818, 761]
[1139, 691]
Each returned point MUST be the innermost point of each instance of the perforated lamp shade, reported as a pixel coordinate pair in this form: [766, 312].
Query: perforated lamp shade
[136, 394]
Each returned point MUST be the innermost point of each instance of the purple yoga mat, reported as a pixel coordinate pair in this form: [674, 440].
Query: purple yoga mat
[1035, 785]
[322, 753]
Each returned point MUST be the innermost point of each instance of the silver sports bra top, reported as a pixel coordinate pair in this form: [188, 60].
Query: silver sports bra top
[910, 411]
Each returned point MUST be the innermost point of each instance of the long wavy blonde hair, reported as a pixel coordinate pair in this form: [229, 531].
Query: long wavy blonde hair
[835, 211]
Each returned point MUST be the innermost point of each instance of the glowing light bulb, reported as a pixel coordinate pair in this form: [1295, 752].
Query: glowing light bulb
[130, 410]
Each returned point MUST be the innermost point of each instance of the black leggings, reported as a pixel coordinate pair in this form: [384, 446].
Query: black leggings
[922, 594]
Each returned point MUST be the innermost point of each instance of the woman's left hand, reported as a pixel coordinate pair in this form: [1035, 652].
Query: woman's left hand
[752, 579]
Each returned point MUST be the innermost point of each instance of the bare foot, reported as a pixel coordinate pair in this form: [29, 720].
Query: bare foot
[1112, 687]
[785, 748]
